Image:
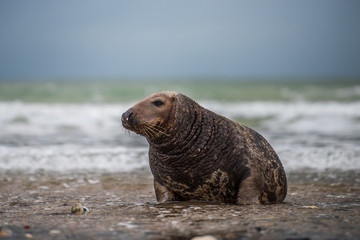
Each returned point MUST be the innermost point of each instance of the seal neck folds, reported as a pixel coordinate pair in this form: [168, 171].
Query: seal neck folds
[190, 133]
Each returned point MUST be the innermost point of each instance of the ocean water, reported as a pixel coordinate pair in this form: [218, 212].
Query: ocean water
[307, 132]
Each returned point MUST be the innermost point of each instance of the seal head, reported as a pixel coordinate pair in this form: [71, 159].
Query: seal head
[196, 154]
[151, 117]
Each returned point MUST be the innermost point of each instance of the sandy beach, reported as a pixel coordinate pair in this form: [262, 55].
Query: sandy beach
[123, 206]
[72, 168]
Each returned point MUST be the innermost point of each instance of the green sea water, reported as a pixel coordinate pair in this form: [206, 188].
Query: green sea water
[62, 126]
[125, 91]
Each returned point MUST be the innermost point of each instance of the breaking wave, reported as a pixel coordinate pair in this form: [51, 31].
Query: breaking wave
[80, 137]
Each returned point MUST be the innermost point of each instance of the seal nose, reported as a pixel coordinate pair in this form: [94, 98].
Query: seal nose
[127, 116]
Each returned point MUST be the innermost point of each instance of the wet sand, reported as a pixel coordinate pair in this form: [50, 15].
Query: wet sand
[122, 206]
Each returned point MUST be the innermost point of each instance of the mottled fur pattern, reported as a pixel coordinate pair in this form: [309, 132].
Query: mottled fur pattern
[200, 155]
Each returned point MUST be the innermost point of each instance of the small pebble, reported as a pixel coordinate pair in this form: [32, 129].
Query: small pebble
[79, 209]
[311, 207]
[206, 237]
[178, 207]
[54, 232]
[29, 235]
[5, 232]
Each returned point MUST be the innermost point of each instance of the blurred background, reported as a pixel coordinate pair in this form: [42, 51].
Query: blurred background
[68, 69]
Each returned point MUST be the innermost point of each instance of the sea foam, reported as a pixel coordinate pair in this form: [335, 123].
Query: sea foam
[81, 137]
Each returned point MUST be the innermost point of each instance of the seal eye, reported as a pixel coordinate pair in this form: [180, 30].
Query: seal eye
[158, 103]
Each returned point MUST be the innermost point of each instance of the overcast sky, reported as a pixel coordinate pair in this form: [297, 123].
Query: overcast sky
[261, 39]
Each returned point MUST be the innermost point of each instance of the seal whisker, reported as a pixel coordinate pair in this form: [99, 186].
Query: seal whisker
[138, 130]
[142, 130]
[148, 132]
[152, 131]
[126, 130]
[157, 129]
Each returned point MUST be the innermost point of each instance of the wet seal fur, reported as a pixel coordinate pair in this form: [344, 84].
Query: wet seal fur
[196, 154]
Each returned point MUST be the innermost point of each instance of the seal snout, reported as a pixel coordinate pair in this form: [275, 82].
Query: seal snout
[127, 115]
[128, 118]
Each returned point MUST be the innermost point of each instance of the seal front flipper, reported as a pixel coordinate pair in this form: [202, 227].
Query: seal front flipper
[249, 191]
[163, 194]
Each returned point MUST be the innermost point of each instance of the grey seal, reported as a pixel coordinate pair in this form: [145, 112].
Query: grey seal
[196, 154]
